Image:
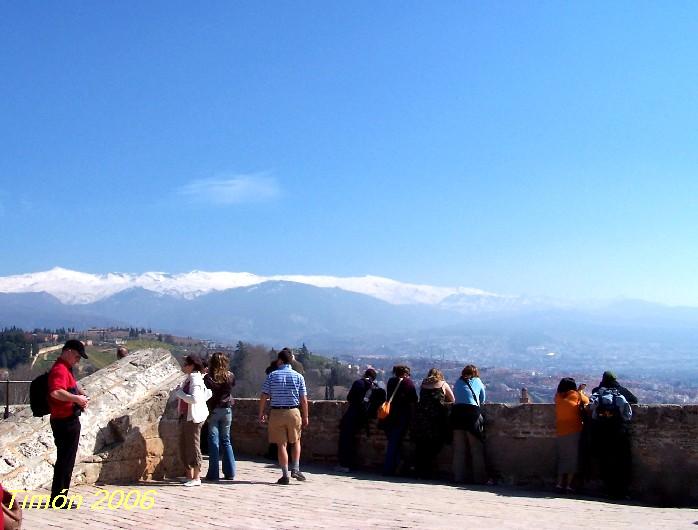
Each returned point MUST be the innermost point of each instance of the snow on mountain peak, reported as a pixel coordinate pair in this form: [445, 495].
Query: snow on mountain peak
[74, 287]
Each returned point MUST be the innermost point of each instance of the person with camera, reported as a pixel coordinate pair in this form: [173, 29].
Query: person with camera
[66, 401]
[569, 402]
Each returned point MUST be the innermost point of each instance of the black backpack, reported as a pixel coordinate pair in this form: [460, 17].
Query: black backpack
[373, 399]
[38, 395]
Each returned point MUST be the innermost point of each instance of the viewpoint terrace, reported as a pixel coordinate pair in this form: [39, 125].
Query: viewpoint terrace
[362, 501]
[130, 438]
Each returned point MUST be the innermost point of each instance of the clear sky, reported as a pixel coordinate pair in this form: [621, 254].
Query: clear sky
[541, 148]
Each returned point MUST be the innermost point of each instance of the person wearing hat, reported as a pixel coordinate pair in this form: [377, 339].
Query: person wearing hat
[608, 380]
[193, 395]
[611, 436]
[66, 400]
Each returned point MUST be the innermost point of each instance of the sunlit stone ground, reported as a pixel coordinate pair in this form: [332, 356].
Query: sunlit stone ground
[328, 500]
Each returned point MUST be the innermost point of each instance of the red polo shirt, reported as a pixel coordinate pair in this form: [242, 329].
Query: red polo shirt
[61, 377]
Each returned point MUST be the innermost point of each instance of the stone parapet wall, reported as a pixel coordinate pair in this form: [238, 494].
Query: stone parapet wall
[131, 432]
[520, 446]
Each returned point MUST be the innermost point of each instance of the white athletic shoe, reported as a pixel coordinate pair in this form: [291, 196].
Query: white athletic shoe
[192, 482]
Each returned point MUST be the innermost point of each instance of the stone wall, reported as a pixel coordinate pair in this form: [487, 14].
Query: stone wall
[129, 430]
[520, 446]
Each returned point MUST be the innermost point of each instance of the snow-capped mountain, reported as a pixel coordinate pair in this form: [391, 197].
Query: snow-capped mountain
[73, 287]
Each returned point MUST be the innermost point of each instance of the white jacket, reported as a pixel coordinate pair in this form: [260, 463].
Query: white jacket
[196, 398]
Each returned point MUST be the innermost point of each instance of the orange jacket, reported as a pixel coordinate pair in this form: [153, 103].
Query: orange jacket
[568, 418]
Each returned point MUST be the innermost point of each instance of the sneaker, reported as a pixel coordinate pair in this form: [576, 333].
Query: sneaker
[342, 469]
[207, 479]
[192, 482]
[298, 475]
[284, 480]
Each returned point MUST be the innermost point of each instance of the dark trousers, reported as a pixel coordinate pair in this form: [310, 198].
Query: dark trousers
[66, 435]
[613, 450]
[348, 428]
[395, 432]
[426, 451]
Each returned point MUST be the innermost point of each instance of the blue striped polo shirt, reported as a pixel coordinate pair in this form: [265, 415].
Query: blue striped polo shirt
[285, 386]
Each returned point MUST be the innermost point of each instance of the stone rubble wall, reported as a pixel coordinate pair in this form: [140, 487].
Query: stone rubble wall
[129, 430]
[520, 446]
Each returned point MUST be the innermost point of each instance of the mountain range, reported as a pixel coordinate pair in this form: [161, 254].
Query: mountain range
[73, 287]
[366, 315]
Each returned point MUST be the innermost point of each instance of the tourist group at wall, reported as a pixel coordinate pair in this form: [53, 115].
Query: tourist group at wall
[434, 415]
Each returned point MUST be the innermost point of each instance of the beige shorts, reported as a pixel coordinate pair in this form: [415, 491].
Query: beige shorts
[284, 426]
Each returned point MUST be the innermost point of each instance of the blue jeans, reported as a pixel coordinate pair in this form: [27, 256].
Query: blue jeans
[219, 441]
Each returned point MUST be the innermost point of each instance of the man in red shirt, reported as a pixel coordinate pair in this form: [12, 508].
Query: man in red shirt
[66, 400]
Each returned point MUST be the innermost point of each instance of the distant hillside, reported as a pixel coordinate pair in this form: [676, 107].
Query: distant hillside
[626, 336]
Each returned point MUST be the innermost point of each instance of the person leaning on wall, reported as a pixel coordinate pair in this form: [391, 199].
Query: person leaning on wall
[569, 401]
[401, 390]
[468, 438]
[431, 429]
[356, 416]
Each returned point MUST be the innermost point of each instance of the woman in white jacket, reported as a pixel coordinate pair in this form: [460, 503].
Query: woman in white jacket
[193, 411]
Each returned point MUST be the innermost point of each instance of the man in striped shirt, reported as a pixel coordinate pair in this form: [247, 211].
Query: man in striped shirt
[285, 388]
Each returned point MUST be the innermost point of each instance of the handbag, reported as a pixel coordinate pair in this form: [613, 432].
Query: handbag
[479, 426]
[12, 517]
[384, 409]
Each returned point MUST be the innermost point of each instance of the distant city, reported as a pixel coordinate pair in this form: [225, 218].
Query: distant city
[505, 381]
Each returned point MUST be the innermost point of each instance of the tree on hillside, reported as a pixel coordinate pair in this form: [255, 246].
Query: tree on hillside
[248, 364]
[14, 347]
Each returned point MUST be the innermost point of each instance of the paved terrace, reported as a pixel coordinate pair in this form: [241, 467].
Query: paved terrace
[329, 500]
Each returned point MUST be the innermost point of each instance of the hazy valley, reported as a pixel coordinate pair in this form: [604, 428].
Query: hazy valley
[646, 342]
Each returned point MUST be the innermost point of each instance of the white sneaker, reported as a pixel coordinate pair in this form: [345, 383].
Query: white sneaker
[192, 482]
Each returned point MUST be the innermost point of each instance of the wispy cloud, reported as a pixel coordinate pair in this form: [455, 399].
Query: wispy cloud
[237, 189]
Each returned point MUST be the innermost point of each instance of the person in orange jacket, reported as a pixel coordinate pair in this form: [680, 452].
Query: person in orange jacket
[569, 401]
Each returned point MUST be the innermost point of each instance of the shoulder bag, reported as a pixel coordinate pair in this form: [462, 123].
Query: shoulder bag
[384, 409]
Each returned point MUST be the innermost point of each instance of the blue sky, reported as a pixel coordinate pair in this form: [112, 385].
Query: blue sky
[540, 148]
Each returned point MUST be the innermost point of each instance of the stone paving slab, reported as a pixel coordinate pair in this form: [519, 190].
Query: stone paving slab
[328, 500]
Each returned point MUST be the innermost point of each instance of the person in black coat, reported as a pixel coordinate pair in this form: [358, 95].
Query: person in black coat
[356, 416]
[404, 398]
[612, 444]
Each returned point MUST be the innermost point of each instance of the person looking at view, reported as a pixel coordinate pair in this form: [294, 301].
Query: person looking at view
[220, 380]
[468, 440]
[568, 426]
[193, 395]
